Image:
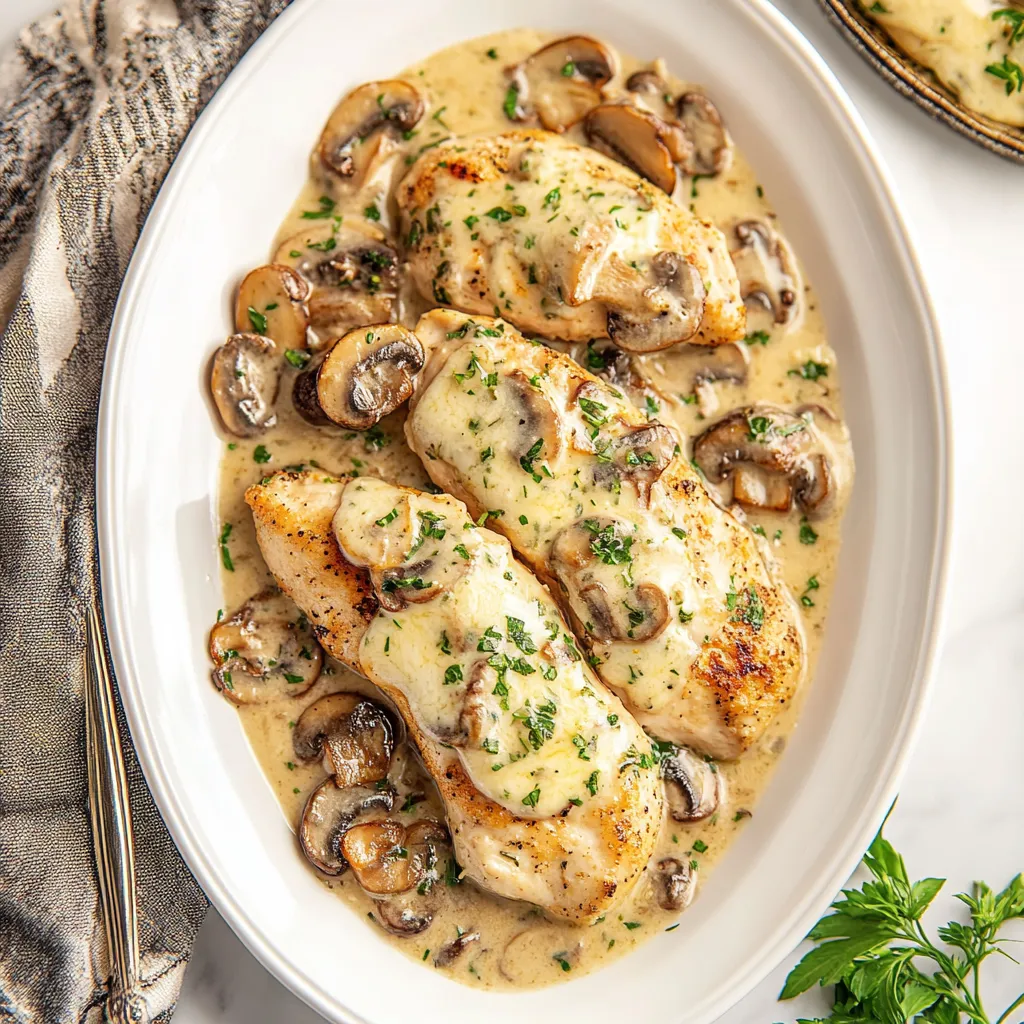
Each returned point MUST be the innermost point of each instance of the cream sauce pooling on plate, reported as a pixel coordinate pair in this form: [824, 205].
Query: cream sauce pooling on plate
[791, 366]
[959, 40]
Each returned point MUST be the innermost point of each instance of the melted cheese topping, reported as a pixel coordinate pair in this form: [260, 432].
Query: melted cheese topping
[486, 662]
[550, 490]
[960, 41]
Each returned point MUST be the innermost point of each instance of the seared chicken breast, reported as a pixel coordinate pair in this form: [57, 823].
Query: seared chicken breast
[550, 787]
[565, 243]
[676, 599]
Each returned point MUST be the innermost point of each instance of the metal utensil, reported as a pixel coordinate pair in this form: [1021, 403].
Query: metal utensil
[111, 816]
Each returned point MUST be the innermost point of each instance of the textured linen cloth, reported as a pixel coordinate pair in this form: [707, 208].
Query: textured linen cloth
[95, 101]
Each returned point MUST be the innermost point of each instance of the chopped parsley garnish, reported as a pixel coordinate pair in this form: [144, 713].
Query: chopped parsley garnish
[533, 797]
[371, 212]
[225, 554]
[810, 370]
[511, 104]
[1016, 21]
[260, 454]
[527, 460]
[452, 674]
[393, 583]
[444, 644]
[389, 518]
[518, 635]
[297, 358]
[1010, 72]
[539, 722]
[699, 846]
[552, 198]
[460, 550]
[606, 543]
[807, 532]
[258, 321]
[489, 641]
[757, 338]
[498, 213]
[592, 783]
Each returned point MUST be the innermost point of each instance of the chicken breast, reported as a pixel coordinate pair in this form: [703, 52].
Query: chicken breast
[565, 243]
[551, 789]
[677, 600]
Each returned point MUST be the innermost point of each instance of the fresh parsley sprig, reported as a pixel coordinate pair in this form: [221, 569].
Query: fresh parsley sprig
[885, 968]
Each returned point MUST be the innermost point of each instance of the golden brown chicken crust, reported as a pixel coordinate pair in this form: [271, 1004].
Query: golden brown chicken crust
[293, 513]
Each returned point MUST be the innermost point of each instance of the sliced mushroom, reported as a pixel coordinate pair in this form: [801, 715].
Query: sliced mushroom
[354, 274]
[451, 951]
[639, 457]
[388, 858]
[561, 81]
[305, 397]
[773, 459]
[767, 269]
[536, 420]
[364, 123]
[680, 294]
[272, 301]
[352, 734]
[620, 369]
[244, 378]
[368, 374]
[331, 810]
[706, 364]
[693, 787]
[640, 140]
[675, 883]
[265, 651]
[710, 149]
[587, 558]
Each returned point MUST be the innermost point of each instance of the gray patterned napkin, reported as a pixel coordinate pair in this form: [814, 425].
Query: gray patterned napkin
[94, 102]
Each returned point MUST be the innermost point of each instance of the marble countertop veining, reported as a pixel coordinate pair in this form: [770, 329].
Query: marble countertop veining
[961, 810]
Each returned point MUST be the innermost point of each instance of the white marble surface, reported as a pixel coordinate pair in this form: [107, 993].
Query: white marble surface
[961, 810]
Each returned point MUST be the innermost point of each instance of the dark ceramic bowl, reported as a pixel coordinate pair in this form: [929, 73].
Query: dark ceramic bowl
[917, 83]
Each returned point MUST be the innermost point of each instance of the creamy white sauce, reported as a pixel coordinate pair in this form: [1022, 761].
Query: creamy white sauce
[465, 87]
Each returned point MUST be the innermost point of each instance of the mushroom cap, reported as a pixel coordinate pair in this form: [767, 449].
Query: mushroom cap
[388, 858]
[693, 787]
[329, 812]
[772, 457]
[368, 374]
[638, 457]
[265, 651]
[710, 150]
[244, 377]
[639, 139]
[706, 364]
[675, 883]
[354, 736]
[375, 108]
[560, 82]
[451, 951]
[271, 301]
[354, 274]
[590, 578]
[767, 269]
[681, 311]
[305, 397]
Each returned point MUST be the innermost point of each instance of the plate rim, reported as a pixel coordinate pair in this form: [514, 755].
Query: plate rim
[844, 861]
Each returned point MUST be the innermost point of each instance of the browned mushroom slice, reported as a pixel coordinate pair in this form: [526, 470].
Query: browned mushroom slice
[639, 457]
[368, 374]
[706, 364]
[389, 858]
[354, 275]
[772, 457]
[693, 786]
[381, 110]
[620, 369]
[675, 883]
[404, 585]
[767, 269]
[710, 147]
[244, 378]
[638, 139]
[272, 301]
[264, 651]
[451, 951]
[676, 318]
[329, 812]
[354, 736]
[587, 558]
[538, 428]
[305, 396]
[560, 82]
